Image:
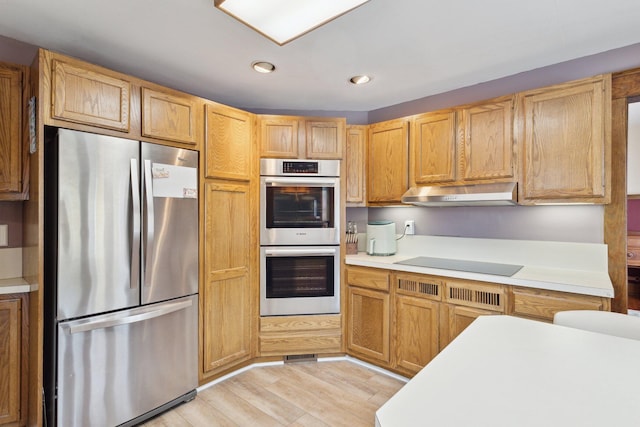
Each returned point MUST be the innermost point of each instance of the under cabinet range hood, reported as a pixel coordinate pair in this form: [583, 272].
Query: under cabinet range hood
[495, 194]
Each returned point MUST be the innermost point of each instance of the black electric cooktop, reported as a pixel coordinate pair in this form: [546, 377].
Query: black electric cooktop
[493, 268]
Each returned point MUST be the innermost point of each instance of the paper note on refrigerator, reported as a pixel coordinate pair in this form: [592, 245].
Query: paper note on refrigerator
[174, 181]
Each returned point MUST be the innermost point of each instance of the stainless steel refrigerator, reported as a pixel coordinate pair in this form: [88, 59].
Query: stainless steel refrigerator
[121, 278]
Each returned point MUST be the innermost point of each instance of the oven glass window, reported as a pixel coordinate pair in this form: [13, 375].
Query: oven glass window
[299, 207]
[303, 276]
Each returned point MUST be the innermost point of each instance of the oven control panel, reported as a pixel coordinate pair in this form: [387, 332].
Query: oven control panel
[300, 167]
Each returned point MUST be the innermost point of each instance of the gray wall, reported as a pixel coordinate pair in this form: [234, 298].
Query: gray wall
[578, 223]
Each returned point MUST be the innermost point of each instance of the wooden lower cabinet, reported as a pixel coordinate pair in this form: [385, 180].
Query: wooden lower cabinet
[455, 318]
[296, 335]
[368, 324]
[226, 295]
[416, 332]
[13, 360]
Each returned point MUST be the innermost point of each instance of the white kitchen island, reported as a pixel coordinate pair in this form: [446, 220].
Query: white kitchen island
[508, 371]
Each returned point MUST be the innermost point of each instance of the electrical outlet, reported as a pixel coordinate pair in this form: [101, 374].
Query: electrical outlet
[4, 235]
[410, 226]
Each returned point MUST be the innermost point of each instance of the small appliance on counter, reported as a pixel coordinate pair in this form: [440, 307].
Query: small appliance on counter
[381, 238]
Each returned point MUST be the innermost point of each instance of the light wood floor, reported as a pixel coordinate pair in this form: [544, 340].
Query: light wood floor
[335, 393]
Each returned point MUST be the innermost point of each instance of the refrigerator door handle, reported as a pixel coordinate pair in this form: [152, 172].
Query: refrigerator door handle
[150, 240]
[135, 232]
[128, 318]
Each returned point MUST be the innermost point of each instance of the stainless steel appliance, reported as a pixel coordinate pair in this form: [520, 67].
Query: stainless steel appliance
[121, 278]
[299, 202]
[299, 280]
[299, 237]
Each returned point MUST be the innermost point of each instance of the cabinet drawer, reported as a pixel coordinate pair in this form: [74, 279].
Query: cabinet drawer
[368, 278]
[543, 304]
[291, 335]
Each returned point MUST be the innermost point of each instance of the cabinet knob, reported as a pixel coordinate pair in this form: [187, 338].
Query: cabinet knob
[630, 254]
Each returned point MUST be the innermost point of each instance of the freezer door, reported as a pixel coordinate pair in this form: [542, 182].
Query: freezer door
[115, 367]
[98, 244]
[170, 222]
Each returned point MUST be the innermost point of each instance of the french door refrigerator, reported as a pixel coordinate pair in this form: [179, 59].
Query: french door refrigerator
[121, 278]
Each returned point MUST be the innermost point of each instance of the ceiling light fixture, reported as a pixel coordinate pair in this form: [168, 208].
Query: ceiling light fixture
[360, 80]
[284, 20]
[263, 67]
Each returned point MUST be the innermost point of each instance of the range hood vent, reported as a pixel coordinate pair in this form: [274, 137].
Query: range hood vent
[496, 194]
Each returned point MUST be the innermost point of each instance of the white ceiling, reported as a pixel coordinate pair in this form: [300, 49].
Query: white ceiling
[412, 48]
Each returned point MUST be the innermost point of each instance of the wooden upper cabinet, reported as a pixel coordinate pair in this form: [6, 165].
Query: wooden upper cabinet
[229, 143]
[565, 136]
[169, 116]
[356, 165]
[485, 148]
[292, 137]
[10, 130]
[278, 137]
[433, 137]
[84, 95]
[387, 175]
[324, 138]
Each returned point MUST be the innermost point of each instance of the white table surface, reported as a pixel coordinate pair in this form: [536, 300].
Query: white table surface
[508, 371]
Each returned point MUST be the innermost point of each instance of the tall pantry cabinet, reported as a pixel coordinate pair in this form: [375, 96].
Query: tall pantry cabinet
[230, 235]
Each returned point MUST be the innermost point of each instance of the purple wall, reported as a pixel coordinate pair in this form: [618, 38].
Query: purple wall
[633, 215]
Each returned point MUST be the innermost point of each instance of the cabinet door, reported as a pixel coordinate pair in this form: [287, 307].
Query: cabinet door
[84, 95]
[12, 367]
[227, 290]
[433, 149]
[356, 163]
[169, 117]
[229, 143]
[387, 177]
[278, 137]
[416, 332]
[10, 129]
[368, 323]
[566, 141]
[324, 138]
[455, 319]
[486, 143]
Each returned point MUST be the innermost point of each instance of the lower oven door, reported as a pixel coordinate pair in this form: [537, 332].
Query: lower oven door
[299, 280]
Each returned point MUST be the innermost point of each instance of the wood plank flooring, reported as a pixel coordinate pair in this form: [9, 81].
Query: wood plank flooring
[314, 394]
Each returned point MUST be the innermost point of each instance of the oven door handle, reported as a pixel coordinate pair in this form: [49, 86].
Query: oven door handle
[299, 252]
[298, 182]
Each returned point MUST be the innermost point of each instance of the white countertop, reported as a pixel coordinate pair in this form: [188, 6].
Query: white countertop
[15, 285]
[580, 268]
[507, 371]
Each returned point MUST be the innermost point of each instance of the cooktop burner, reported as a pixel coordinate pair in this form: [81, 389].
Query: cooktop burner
[493, 268]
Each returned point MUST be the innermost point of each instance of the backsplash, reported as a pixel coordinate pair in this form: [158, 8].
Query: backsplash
[11, 214]
[583, 224]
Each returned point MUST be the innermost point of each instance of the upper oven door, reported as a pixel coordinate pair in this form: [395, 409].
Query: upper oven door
[299, 211]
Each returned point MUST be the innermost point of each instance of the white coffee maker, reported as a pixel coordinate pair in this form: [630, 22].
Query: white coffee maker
[381, 238]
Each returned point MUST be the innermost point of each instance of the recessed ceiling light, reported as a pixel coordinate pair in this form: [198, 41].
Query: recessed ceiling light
[360, 80]
[263, 67]
[284, 20]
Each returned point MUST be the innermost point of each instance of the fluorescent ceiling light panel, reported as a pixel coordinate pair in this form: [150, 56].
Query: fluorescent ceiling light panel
[285, 20]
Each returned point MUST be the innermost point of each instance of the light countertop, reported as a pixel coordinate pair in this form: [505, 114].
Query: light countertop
[15, 285]
[508, 371]
[580, 268]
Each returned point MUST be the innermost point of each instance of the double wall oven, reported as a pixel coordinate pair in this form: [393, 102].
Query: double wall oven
[299, 237]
